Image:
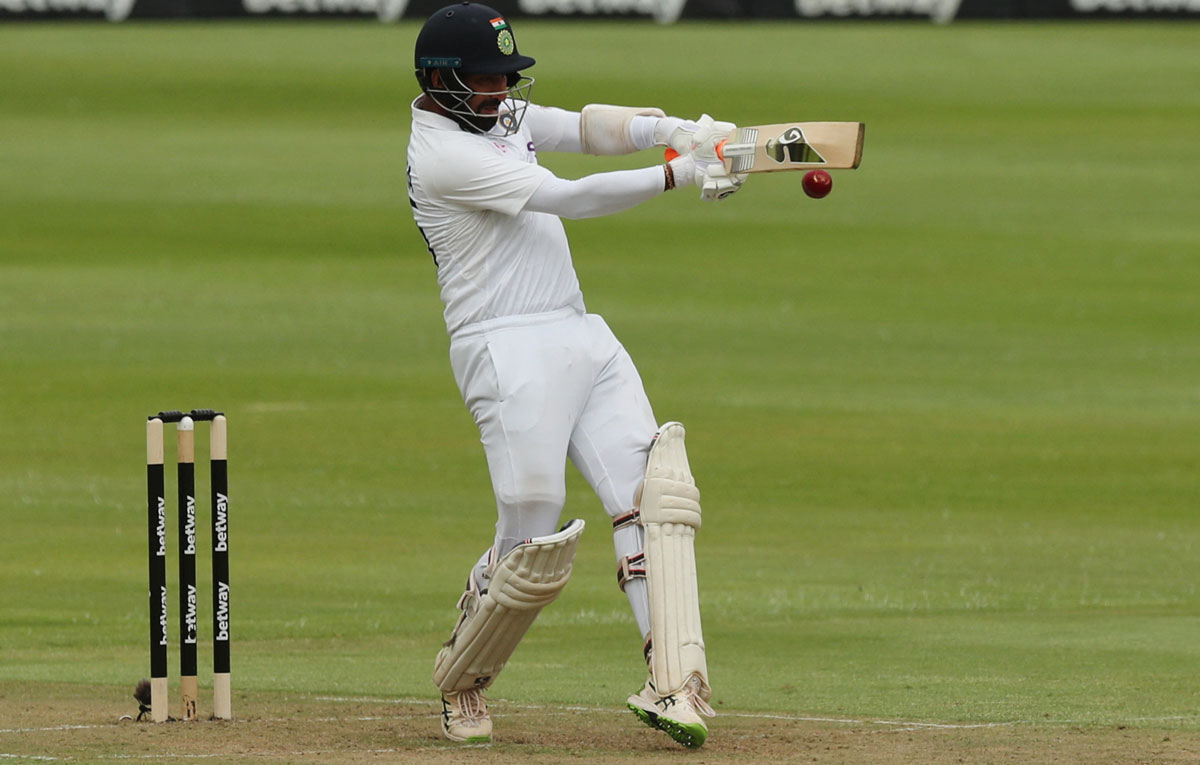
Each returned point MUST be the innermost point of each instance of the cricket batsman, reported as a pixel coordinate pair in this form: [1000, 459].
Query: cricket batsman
[544, 379]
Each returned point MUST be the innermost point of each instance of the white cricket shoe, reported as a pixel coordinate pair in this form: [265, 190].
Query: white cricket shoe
[465, 717]
[676, 714]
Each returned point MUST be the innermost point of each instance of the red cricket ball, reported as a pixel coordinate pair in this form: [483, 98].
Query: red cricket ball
[817, 183]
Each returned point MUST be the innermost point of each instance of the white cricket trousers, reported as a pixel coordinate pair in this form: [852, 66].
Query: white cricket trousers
[545, 388]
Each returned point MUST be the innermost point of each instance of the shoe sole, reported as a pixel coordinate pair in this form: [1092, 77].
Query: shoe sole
[471, 739]
[467, 740]
[691, 736]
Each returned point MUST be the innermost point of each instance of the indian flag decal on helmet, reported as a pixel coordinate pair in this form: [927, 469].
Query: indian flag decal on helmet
[499, 23]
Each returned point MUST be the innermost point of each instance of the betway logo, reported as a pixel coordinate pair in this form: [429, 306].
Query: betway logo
[54, 6]
[591, 7]
[161, 528]
[119, 10]
[938, 10]
[189, 616]
[162, 615]
[189, 527]
[1088, 6]
[113, 10]
[221, 524]
[222, 612]
[386, 10]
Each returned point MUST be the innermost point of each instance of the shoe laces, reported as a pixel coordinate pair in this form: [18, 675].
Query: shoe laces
[692, 690]
[472, 704]
[691, 693]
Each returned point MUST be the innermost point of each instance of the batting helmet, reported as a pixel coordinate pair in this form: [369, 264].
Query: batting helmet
[471, 38]
[466, 39]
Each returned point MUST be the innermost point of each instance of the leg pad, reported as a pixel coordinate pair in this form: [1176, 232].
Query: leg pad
[522, 583]
[670, 514]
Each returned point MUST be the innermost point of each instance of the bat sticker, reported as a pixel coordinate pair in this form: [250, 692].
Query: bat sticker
[791, 146]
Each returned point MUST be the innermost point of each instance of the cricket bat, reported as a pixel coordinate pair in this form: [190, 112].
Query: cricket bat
[792, 146]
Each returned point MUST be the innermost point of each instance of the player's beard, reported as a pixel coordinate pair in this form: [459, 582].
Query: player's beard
[481, 121]
[472, 119]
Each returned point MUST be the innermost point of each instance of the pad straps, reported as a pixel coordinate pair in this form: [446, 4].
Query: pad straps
[630, 566]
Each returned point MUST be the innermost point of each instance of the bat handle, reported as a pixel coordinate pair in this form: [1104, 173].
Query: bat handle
[671, 154]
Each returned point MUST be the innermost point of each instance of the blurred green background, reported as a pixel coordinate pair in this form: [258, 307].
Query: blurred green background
[945, 420]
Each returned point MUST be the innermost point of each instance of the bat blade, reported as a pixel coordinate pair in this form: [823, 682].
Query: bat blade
[794, 146]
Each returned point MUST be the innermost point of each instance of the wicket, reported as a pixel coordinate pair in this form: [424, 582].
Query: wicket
[157, 527]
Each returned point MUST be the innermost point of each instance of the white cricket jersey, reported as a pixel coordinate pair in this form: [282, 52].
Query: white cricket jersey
[467, 192]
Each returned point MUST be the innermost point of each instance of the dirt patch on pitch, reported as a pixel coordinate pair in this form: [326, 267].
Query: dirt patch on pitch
[81, 724]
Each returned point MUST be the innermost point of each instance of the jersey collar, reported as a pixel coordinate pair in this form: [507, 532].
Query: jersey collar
[429, 119]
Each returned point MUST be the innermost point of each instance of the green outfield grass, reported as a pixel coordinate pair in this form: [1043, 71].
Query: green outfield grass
[945, 421]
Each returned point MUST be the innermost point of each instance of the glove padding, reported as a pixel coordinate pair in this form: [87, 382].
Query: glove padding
[710, 175]
[719, 184]
[675, 133]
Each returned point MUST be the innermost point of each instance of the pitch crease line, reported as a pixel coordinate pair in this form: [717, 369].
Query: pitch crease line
[213, 756]
[51, 728]
[746, 715]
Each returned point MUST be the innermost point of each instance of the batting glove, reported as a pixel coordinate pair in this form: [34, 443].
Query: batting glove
[675, 133]
[709, 171]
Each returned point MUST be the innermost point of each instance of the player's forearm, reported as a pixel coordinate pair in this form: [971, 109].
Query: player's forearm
[599, 194]
[601, 129]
